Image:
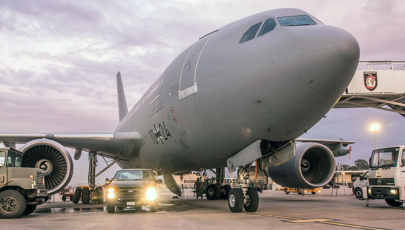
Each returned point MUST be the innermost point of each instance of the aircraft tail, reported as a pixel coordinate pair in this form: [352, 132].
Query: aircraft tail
[122, 102]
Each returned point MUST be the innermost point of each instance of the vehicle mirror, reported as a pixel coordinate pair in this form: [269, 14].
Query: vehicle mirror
[107, 181]
[159, 181]
[361, 178]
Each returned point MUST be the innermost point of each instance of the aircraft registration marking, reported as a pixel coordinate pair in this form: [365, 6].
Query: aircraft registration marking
[159, 134]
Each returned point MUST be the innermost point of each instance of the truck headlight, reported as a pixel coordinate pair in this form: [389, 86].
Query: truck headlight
[393, 191]
[111, 193]
[151, 193]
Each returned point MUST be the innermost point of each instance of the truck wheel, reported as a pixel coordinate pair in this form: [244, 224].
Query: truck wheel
[358, 193]
[12, 204]
[235, 200]
[63, 198]
[252, 200]
[76, 196]
[110, 208]
[227, 189]
[100, 195]
[86, 195]
[393, 203]
[213, 192]
[30, 209]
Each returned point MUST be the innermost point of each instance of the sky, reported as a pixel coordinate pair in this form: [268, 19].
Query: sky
[58, 60]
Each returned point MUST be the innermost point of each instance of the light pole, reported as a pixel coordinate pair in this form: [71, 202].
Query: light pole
[375, 128]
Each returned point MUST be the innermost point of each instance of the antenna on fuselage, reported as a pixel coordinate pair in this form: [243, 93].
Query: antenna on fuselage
[122, 102]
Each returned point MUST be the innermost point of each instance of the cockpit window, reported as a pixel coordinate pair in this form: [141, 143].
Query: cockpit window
[299, 20]
[268, 26]
[250, 33]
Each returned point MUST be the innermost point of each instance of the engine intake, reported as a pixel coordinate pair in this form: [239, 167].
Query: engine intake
[51, 157]
[312, 167]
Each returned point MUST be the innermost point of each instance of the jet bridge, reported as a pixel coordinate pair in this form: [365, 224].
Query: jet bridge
[376, 84]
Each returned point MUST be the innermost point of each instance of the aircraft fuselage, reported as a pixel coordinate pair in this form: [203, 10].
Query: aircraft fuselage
[220, 95]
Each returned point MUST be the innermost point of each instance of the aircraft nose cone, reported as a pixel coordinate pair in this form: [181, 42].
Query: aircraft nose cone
[327, 58]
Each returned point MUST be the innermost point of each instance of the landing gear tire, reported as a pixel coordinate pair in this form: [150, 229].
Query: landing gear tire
[30, 209]
[286, 192]
[76, 196]
[71, 198]
[100, 195]
[313, 193]
[110, 208]
[393, 203]
[358, 193]
[252, 200]
[236, 200]
[86, 195]
[63, 198]
[12, 204]
[213, 192]
[227, 189]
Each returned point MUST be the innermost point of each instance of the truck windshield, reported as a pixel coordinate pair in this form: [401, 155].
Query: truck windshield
[384, 158]
[133, 175]
[13, 159]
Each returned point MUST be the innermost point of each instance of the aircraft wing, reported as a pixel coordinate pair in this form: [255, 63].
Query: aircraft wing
[326, 142]
[114, 144]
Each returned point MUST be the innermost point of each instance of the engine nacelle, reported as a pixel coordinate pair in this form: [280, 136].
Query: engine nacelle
[313, 166]
[51, 157]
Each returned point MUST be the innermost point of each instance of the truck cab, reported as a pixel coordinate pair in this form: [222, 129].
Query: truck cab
[387, 175]
[21, 189]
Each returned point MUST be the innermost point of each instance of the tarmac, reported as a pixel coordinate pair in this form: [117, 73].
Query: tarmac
[276, 210]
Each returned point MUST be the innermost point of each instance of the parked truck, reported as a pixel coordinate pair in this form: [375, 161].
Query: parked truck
[386, 175]
[21, 189]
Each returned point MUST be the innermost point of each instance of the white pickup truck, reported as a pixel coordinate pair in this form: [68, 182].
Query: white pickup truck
[359, 184]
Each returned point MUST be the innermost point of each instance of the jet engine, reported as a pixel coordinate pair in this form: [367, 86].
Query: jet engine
[313, 166]
[53, 159]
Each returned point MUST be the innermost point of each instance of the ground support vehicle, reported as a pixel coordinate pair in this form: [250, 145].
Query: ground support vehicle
[386, 175]
[300, 190]
[67, 192]
[359, 184]
[132, 188]
[21, 189]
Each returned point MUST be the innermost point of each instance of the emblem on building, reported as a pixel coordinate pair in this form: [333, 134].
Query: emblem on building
[370, 80]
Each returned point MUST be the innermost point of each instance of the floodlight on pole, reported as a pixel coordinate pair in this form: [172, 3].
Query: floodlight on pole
[375, 128]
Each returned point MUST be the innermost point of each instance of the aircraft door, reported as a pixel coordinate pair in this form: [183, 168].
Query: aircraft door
[188, 84]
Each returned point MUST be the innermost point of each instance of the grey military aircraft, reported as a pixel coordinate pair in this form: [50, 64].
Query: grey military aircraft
[241, 93]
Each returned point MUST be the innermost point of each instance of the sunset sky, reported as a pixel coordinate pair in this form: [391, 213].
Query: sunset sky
[58, 60]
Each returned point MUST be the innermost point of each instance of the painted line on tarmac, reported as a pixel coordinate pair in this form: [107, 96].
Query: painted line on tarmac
[298, 220]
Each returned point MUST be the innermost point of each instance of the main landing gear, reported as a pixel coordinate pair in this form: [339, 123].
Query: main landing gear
[245, 197]
[92, 194]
